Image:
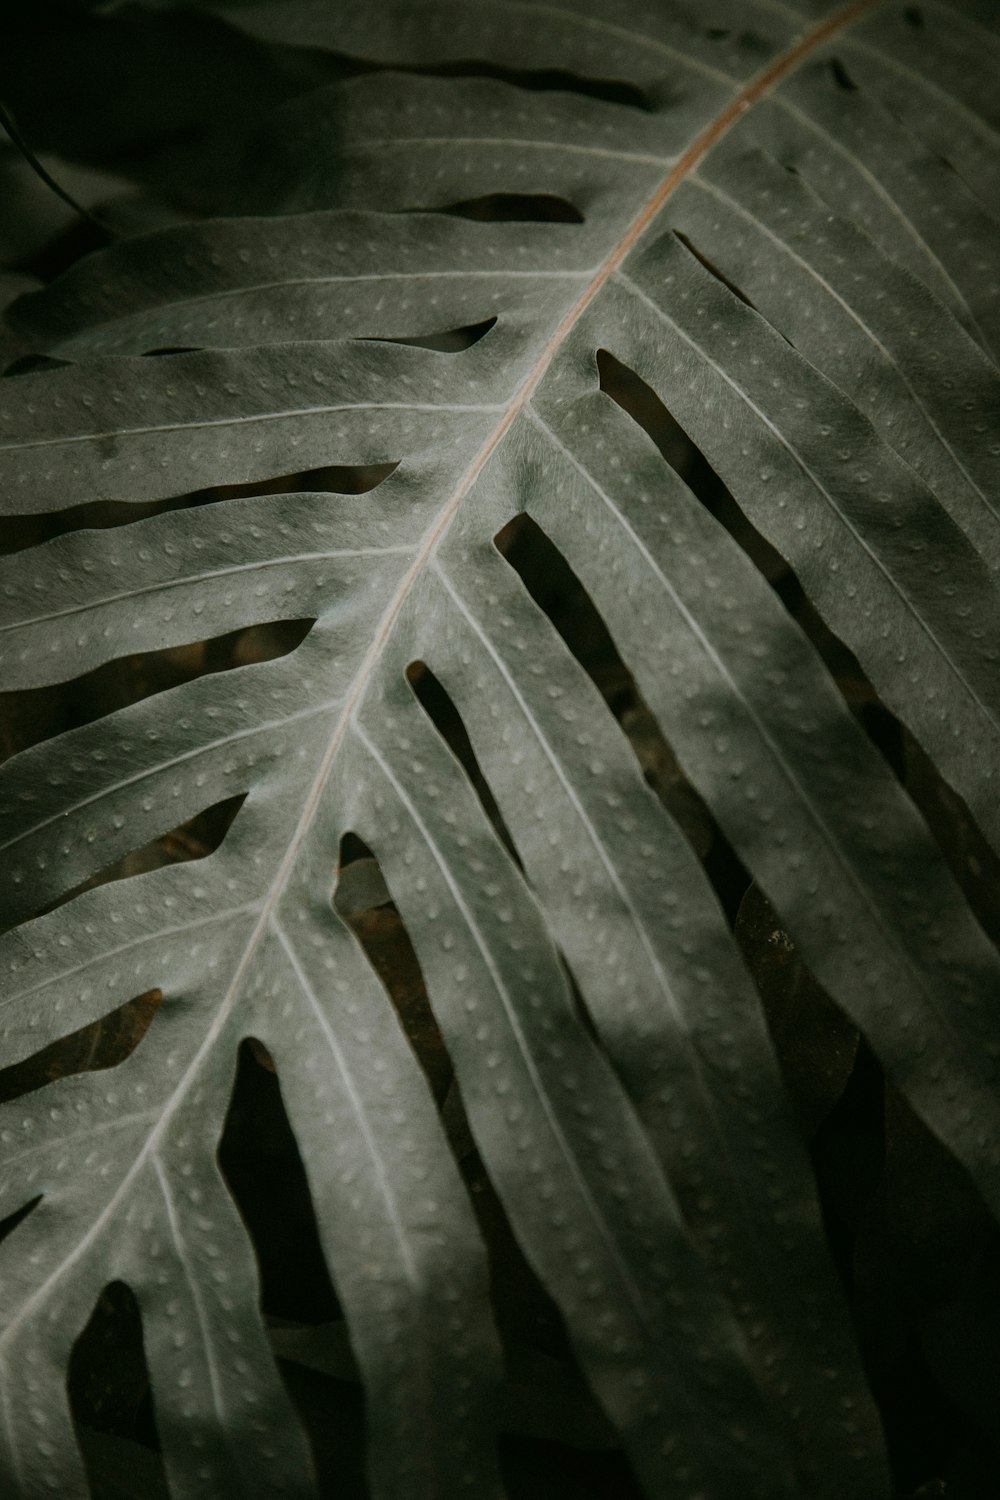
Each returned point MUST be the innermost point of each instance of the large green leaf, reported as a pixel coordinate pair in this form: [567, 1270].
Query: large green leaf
[795, 257]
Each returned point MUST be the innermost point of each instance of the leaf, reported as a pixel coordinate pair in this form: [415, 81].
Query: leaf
[386, 306]
[539, 1401]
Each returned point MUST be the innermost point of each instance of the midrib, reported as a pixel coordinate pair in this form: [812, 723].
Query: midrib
[758, 86]
[749, 95]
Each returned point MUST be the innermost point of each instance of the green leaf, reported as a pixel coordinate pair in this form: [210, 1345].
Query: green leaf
[741, 220]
